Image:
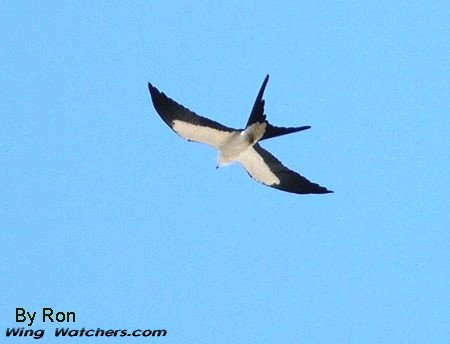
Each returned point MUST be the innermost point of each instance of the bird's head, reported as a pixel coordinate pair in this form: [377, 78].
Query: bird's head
[222, 161]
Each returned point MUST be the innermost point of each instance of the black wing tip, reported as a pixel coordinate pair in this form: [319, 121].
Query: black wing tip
[159, 98]
[312, 190]
[162, 104]
[152, 89]
[326, 191]
[155, 95]
[303, 190]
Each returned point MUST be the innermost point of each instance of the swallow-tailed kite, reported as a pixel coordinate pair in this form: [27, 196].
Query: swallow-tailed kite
[240, 145]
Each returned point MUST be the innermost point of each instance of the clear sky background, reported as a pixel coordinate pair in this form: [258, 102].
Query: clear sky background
[106, 212]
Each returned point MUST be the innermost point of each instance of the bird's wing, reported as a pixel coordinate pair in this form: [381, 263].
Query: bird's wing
[188, 124]
[265, 168]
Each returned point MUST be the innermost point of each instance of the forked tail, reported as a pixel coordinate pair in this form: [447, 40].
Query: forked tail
[257, 115]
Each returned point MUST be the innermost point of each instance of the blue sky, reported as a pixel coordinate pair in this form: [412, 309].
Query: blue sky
[106, 212]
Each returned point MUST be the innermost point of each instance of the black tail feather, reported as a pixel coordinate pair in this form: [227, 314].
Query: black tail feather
[257, 114]
[273, 131]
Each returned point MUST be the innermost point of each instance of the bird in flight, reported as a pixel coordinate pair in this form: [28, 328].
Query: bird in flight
[238, 145]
